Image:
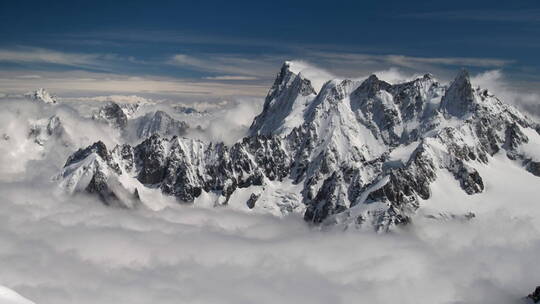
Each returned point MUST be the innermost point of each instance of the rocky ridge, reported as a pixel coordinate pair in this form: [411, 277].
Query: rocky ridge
[362, 153]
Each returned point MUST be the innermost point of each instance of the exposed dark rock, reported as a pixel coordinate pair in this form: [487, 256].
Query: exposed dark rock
[327, 201]
[99, 186]
[469, 179]
[534, 167]
[459, 98]
[252, 200]
[112, 114]
[151, 159]
[514, 137]
[98, 147]
[535, 296]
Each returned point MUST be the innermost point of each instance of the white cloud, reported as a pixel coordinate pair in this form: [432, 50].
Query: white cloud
[87, 84]
[236, 64]
[495, 81]
[114, 98]
[395, 75]
[74, 250]
[226, 121]
[29, 76]
[409, 61]
[40, 55]
[230, 77]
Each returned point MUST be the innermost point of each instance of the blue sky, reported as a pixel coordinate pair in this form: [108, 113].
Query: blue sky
[216, 48]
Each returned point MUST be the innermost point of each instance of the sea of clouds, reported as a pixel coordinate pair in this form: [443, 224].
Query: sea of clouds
[56, 249]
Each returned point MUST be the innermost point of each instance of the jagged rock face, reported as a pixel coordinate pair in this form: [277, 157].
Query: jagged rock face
[130, 108]
[185, 167]
[459, 98]
[252, 200]
[112, 114]
[151, 157]
[361, 152]
[98, 148]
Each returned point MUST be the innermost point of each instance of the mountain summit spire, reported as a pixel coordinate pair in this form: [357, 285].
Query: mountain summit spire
[288, 97]
[459, 97]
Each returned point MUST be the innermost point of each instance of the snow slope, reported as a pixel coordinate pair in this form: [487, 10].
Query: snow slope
[8, 296]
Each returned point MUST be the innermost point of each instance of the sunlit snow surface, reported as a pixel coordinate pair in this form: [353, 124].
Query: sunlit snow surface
[55, 249]
[8, 296]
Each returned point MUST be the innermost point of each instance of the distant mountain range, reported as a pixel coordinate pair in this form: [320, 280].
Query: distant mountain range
[354, 153]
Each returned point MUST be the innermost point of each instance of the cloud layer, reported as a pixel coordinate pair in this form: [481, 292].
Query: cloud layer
[74, 250]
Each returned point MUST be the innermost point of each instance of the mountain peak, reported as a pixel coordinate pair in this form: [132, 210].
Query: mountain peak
[372, 85]
[428, 76]
[459, 97]
[463, 75]
[112, 114]
[42, 95]
[291, 66]
[288, 97]
[372, 78]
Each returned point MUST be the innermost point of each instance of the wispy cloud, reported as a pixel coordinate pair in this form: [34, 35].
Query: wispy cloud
[410, 61]
[230, 77]
[235, 64]
[497, 82]
[40, 55]
[84, 83]
[241, 67]
[217, 74]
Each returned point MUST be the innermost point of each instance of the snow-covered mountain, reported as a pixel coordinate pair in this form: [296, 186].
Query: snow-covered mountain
[133, 127]
[112, 114]
[42, 95]
[158, 122]
[354, 153]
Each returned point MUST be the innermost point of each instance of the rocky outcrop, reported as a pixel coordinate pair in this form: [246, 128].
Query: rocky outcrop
[459, 99]
[252, 200]
[533, 167]
[535, 296]
[112, 114]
